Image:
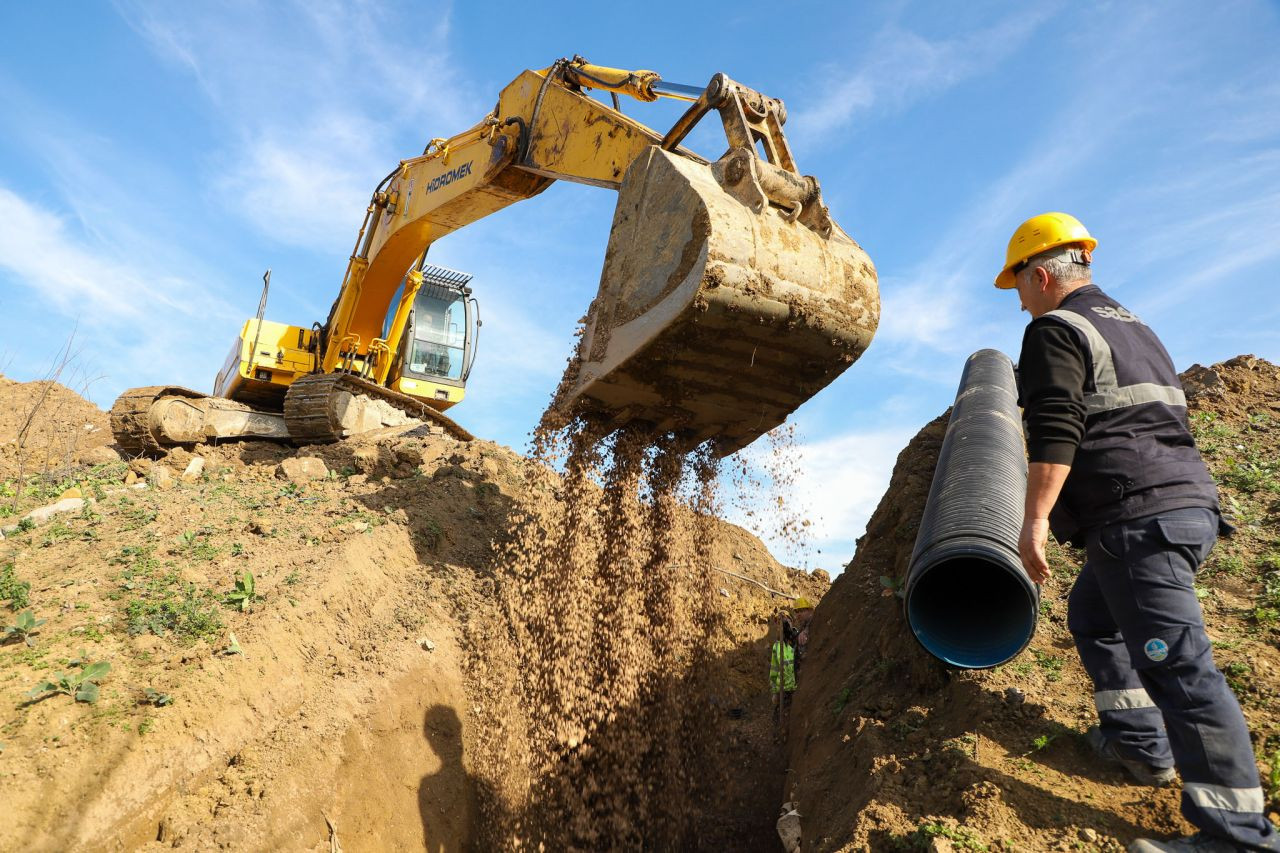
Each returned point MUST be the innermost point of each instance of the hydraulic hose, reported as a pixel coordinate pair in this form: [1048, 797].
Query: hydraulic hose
[968, 600]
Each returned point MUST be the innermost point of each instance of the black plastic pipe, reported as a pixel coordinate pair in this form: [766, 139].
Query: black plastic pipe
[968, 600]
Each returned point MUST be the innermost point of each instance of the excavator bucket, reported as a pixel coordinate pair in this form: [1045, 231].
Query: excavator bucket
[719, 313]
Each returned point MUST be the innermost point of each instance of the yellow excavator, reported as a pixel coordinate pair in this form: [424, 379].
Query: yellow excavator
[728, 295]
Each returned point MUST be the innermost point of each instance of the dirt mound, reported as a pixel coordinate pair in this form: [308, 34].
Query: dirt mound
[290, 658]
[890, 750]
[45, 428]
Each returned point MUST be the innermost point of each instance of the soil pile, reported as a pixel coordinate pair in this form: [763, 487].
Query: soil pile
[46, 427]
[891, 751]
[293, 635]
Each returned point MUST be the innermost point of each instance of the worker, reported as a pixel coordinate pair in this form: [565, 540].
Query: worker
[1113, 467]
[782, 676]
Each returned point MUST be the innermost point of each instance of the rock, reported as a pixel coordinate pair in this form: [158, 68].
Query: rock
[302, 469]
[941, 845]
[160, 476]
[724, 592]
[426, 644]
[72, 492]
[130, 478]
[99, 456]
[1089, 836]
[356, 527]
[822, 575]
[1202, 382]
[1013, 696]
[194, 469]
[43, 514]
[140, 466]
[357, 479]
[789, 828]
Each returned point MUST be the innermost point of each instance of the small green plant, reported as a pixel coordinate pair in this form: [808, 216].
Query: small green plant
[164, 602]
[1272, 779]
[82, 685]
[26, 524]
[237, 549]
[842, 699]
[146, 725]
[243, 595]
[1043, 741]
[1051, 664]
[432, 534]
[151, 696]
[12, 589]
[195, 544]
[293, 578]
[1238, 676]
[893, 586]
[922, 838]
[23, 628]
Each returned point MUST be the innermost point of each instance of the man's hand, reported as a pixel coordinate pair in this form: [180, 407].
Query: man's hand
[1031, 541]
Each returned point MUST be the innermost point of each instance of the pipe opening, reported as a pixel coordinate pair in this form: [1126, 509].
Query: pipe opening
[972, 612]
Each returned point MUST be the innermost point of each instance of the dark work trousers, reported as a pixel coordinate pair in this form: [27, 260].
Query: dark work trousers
[1160, 697]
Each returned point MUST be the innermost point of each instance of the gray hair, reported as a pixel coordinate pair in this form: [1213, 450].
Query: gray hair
[1063, 263]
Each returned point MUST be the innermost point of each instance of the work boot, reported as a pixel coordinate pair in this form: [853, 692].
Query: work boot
[1144, 773]
[1198, 843]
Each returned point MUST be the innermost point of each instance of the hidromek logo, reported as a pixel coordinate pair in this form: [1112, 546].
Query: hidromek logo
[449, 177]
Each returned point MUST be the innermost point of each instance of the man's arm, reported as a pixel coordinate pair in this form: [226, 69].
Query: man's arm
[1044, 482]
[1051, 372]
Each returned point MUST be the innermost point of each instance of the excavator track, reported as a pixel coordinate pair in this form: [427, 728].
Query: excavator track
[131, 421]
[311, 408]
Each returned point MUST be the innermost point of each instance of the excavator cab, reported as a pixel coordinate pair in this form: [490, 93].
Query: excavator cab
[439, 344]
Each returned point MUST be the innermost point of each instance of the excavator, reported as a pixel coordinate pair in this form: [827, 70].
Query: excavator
[728, 295]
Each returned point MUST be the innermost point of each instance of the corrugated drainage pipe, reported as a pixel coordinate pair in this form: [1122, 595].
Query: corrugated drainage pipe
[968, 599]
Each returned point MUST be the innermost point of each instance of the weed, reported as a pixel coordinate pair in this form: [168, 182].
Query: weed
[138, 517]
[431, 534]
[23, 628]
[237, 549]
[293, 578]
[243, 595]
[26, 524]
[893, 586]
[151, 696]
[1051, 664]
[1043, 741]
[82, 685]
[1272, 779]
[196, 546]
[55, 533]
[12, 589]
[146, 725]
[165, 603]
[842, 699]
[1238, 676]
[922, 838]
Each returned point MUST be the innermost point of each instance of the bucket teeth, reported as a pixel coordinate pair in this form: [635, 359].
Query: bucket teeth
[716, 317]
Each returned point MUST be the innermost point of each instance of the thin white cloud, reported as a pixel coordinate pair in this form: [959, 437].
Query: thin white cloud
[318, 101]
[40, 251]
[901, 67]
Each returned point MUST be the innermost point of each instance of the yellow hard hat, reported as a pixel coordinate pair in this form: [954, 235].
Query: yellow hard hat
[802, 603]
[1039, 234]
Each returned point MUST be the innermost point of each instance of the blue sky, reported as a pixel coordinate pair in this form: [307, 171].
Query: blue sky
[155, 158]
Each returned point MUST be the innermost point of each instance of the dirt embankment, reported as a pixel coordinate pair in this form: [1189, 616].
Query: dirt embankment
[45, 428]
[891, 751]
[335, 700]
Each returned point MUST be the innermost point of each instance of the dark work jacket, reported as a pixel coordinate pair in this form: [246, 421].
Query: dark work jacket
[1137, 456]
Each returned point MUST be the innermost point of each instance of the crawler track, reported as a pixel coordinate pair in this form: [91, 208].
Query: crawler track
[311, 416]
[131, 423]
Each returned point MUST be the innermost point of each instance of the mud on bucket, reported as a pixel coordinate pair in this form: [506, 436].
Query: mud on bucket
[717, 315]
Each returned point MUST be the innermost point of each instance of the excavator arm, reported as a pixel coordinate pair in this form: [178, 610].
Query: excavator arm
[543, 128]
[728, 296]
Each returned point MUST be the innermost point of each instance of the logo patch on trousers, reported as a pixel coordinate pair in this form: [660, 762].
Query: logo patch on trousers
[1156, 650]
